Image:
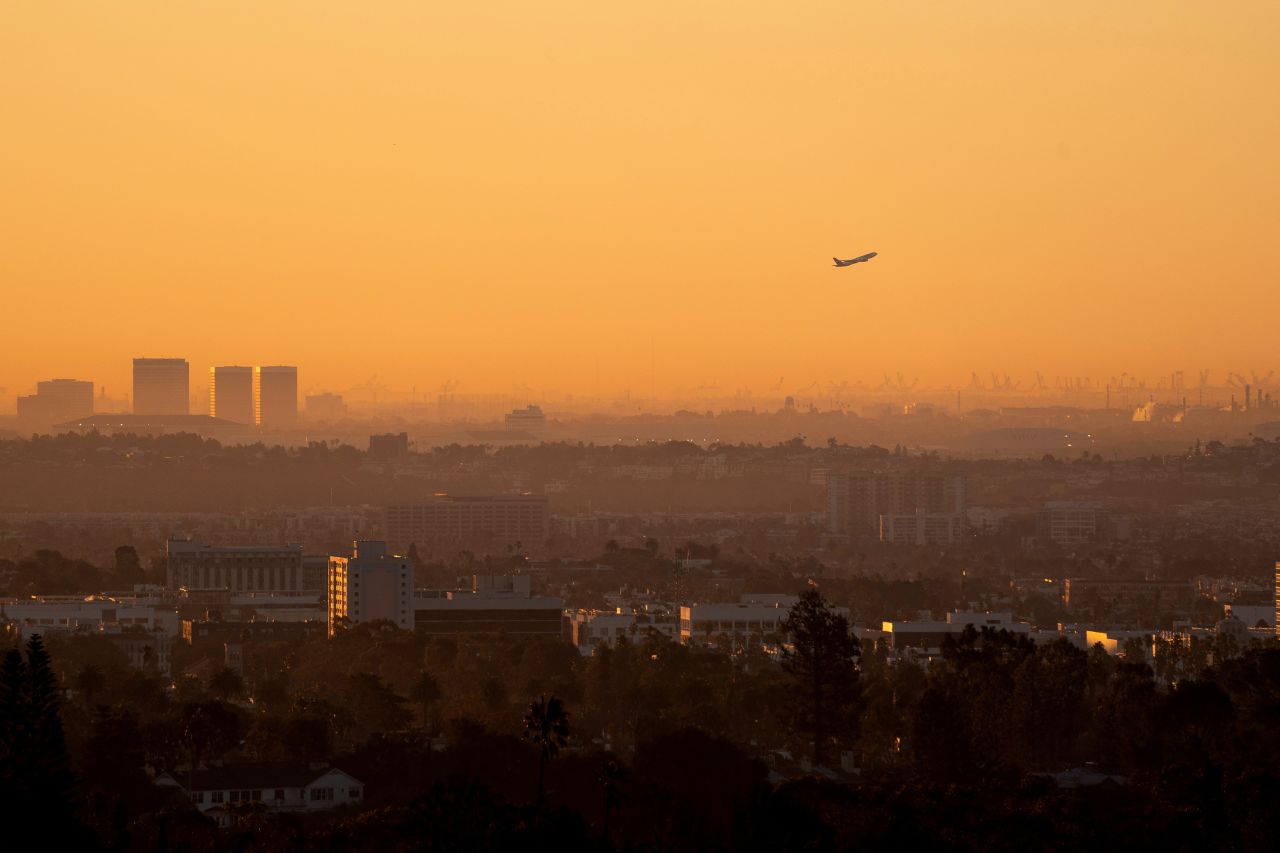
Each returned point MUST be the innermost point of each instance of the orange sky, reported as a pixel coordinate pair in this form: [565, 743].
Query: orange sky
[523, 194]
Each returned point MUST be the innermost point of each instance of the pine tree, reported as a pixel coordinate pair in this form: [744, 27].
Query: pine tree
[13, 719]
[820, 657]
[35, 769]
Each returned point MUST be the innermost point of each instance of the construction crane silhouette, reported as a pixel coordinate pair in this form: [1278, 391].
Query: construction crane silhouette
[370, 386]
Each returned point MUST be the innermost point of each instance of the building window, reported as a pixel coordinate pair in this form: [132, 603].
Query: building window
[355, 792]
[215, 797]
[198, 797]
[235, 796]
[279, 793]
[319, 795]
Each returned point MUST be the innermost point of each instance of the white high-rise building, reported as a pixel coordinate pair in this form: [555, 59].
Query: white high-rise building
[370, 585]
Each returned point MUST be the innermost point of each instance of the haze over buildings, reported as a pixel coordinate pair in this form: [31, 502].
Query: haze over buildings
[1016, 165]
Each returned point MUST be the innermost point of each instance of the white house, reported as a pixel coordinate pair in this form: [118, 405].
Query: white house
[220, 791]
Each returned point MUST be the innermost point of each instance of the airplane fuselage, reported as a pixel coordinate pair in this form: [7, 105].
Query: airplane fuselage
[858, 260]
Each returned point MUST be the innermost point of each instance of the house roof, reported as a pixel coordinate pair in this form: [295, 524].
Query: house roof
[252, 776]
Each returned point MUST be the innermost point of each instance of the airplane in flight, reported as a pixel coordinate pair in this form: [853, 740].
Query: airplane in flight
[858, 260]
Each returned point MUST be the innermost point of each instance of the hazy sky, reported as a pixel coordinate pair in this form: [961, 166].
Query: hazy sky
[517, 193]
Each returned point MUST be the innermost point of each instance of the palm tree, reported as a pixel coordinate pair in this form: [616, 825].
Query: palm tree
[425, 691]
[226, 683]
[546, 724]
[612, 775]
[89, 681]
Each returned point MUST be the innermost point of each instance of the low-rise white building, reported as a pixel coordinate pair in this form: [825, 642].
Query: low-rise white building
[705, 622]
[220, 791]
[93, 613]
[277, 606]
[495, 603]
[755, 614]
[591, 630]
[600, 629]
[1252, 615]
[926, 636]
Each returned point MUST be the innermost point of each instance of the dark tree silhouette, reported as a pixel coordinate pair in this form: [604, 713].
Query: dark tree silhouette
[546, 724]
[35, 770]
[208, 728]
[426, 692]
[128, 568]
[226, 683]
[821, 658]
[612, 775]
[374, 706]
[89, 682]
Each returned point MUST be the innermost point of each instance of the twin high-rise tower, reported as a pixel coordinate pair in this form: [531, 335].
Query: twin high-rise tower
[263, 396]
[275, 395]
[231, 394]
[259, 396]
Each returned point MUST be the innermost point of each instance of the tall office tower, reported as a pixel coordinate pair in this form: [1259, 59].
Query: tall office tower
[275, 396]
[161, 386]
[231, 394]
[56, 401]
[370, 584]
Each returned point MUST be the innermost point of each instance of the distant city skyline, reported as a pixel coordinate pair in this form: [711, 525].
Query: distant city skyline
[1043, 194]
[115, 382]
[1119, 389]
